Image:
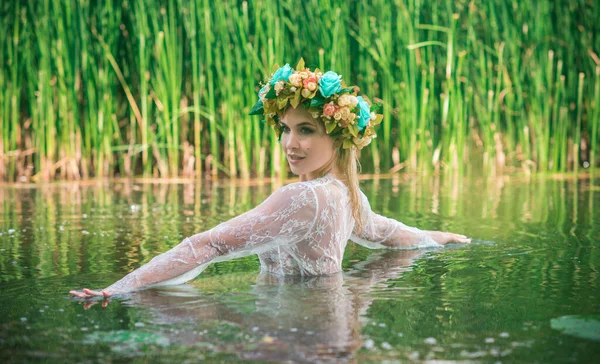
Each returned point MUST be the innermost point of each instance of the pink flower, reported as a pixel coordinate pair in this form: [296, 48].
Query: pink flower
[328, 110]
[307, 82]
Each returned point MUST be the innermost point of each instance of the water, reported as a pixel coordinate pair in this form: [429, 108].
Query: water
[527, 289]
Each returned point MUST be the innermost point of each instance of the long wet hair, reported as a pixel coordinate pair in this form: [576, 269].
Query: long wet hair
[348, 164]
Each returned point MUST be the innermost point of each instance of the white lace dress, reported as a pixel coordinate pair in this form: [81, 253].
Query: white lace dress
[301, 229]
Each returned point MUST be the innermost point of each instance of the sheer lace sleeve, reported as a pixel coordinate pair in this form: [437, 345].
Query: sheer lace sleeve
[284, 218]
[382, 232]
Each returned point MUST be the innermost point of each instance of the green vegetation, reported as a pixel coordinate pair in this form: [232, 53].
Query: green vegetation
[162, 88]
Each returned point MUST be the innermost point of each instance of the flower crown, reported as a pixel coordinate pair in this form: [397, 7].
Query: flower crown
[326, 97]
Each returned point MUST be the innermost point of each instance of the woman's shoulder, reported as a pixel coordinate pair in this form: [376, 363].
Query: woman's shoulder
[326, 186]
[318, 184]
[306, 196]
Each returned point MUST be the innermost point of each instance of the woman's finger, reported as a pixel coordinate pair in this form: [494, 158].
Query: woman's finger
[92, 293]
[78, 294]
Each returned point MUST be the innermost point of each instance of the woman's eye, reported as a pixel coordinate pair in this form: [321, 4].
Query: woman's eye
[306, 131]
[285, 129]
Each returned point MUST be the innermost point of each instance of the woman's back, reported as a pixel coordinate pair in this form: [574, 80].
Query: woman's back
[321, 236]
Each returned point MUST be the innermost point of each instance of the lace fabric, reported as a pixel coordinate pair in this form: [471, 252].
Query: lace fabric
[301, 229]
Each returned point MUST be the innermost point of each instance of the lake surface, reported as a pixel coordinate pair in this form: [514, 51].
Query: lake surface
[526, 290]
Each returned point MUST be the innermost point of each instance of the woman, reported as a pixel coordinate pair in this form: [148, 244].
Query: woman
[302, 228]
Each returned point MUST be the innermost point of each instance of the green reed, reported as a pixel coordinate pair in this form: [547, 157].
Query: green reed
[163, 87]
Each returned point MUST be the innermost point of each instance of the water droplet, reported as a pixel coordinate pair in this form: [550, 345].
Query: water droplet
[293, 329]
[84, 232]
[255, 329]
[489, 340]
[139, 324]
[382, 324]
[84, 329]
[386, 346]
[504, 334]
[413, 356]
[430, 341]
[23, 319]
[369, 344]
[11, 231]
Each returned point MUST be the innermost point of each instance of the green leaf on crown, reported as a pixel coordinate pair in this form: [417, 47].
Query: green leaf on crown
[348, 90]
[300, 65]
[353, 130]
[377, 120]
[317, 101]
[296, 98]
[282, 102]
[257, 109]
[330, 126]
[271, 94]
[347, 144]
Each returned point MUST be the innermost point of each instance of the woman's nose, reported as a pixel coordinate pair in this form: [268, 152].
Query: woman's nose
[291, 141]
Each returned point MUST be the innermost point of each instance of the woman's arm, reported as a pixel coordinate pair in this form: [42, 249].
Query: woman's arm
[283, 218]
[382, 232]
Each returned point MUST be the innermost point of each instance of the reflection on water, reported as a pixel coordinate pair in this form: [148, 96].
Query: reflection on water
[535, 259]
[293, 318]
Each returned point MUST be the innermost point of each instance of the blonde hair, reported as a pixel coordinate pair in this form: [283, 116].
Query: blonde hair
[348, 164]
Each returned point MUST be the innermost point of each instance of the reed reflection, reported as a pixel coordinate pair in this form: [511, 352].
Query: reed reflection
[66, 229]
[277, 318]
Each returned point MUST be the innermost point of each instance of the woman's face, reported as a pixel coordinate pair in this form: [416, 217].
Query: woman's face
[305, 143]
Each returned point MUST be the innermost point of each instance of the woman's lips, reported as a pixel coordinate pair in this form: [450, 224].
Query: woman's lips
[294, 159]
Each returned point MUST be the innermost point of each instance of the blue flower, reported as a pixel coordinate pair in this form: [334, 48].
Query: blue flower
[364, 113]
[282, 74]
[330, 83]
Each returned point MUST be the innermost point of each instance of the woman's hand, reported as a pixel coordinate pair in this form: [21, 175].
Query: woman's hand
[88, 293]
[443, 238]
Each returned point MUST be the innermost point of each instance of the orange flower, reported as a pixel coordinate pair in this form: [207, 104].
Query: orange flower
[310, 83]
[328, 109]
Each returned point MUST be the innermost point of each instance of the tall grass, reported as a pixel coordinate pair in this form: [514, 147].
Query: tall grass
[162, 87]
